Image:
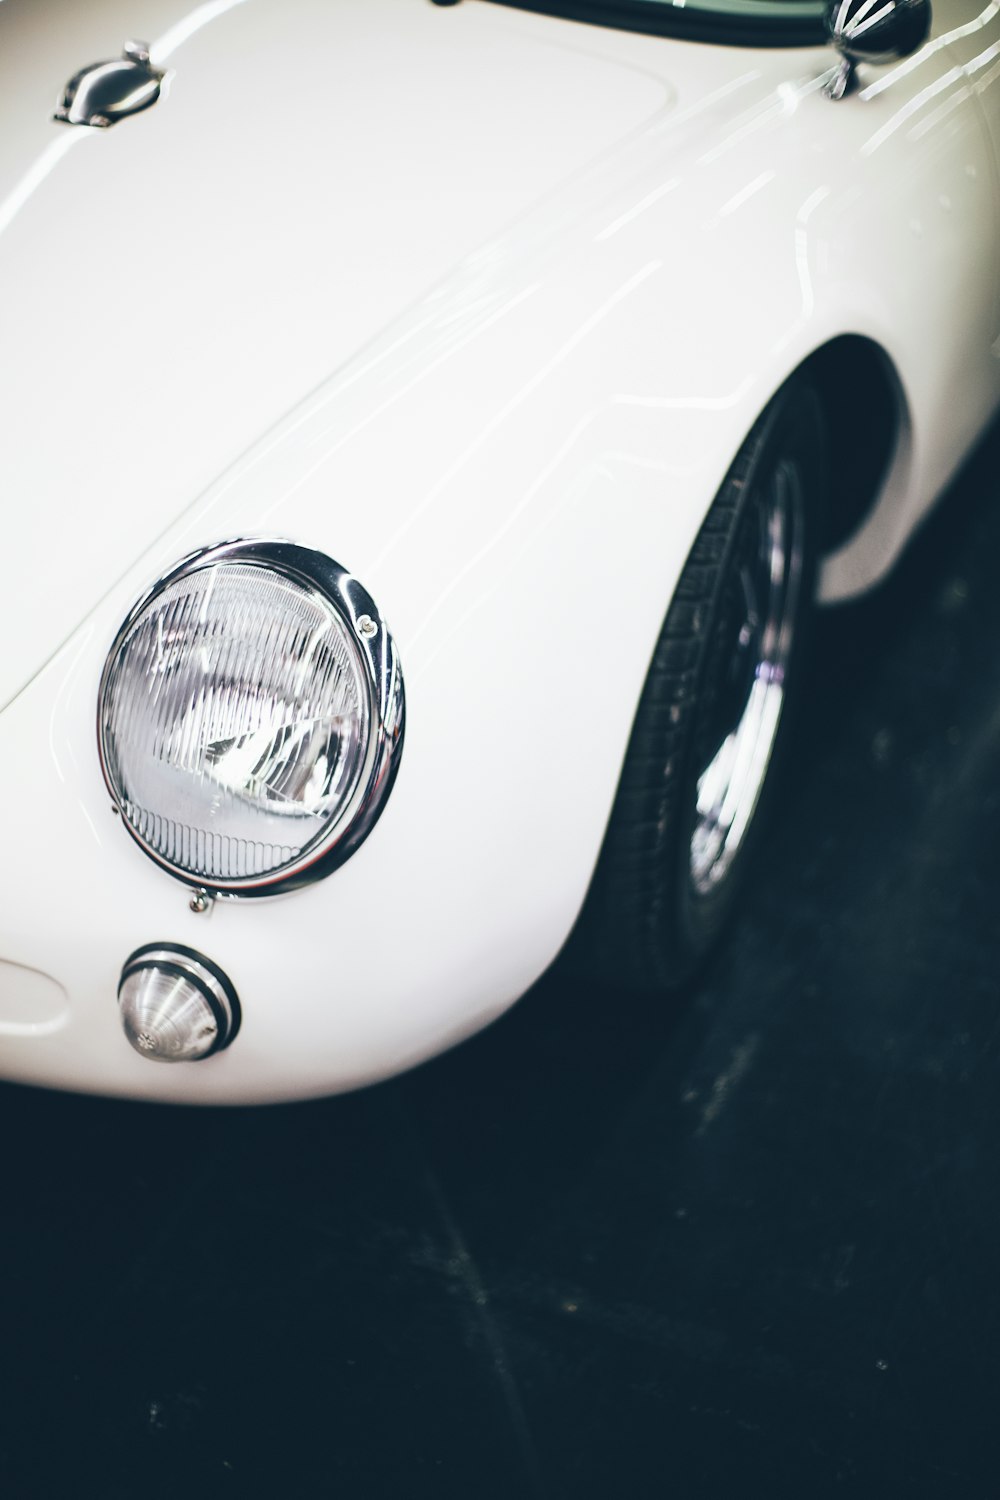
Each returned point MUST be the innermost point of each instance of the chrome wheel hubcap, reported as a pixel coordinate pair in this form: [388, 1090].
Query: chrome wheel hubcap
[756, 627]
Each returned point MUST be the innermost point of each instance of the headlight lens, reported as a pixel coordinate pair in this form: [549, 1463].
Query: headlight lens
[251, 716]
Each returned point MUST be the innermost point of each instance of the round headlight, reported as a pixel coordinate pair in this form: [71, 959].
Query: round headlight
[251, 717]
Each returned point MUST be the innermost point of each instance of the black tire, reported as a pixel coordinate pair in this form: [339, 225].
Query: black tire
[668, 875]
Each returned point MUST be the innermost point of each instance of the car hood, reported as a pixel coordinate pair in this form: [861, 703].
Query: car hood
[169, 288]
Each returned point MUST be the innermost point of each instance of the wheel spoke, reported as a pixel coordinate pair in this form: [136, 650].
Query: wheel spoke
[752, 675]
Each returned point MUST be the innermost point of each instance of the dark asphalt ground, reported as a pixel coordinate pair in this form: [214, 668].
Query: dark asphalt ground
[742, 1245]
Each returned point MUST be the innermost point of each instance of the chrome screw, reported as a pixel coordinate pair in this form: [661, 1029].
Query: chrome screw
[367, 627]
[200, 901]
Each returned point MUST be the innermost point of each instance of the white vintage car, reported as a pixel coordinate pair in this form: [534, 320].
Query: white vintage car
[546, 358]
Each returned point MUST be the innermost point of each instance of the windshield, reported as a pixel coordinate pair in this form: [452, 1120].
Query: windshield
[750, 23]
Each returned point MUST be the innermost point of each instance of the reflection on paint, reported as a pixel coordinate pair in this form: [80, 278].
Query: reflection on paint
[37, 173]
[912, 107]
[586, 328]
[802, 248]
[166, 45]
[909, 64]
[746, 193]
[638, 208]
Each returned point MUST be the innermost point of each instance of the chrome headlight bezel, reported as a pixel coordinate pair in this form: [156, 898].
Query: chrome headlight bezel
[380, 671]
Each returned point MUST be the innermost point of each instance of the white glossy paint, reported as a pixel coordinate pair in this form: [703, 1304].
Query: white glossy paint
[540, 278]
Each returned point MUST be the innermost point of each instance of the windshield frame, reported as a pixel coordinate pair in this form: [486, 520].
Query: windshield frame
[695, 21]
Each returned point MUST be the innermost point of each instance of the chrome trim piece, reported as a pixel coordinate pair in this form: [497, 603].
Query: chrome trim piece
[862, 31]
[103, 93]
[376, 651]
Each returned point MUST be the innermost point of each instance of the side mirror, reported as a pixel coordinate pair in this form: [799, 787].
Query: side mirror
[876, 31]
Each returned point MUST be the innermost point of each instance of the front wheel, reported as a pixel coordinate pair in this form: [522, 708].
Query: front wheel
[699, 769]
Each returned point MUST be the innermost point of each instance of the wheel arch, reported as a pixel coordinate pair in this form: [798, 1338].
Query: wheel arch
[868, 419]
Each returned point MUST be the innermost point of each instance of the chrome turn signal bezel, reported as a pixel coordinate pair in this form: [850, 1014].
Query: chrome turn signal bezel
[383, 677]
[193, 970]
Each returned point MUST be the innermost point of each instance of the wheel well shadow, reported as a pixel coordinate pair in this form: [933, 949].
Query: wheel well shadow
[866, 414]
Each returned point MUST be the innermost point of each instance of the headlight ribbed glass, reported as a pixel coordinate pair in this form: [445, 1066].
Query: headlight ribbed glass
[244, 720]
